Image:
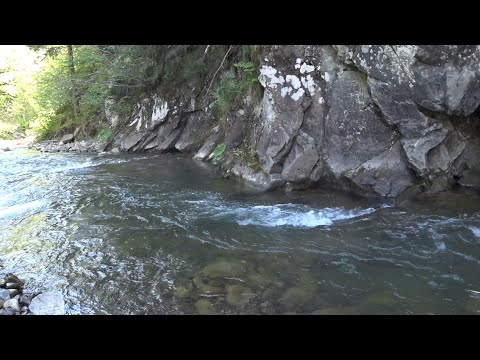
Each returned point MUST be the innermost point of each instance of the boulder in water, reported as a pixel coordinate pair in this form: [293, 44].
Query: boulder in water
[4, 294]
[239, 295]
[204, 307]
[48, 303]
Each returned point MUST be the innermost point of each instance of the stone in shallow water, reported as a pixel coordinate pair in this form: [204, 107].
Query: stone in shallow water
[13, 292]
[224, 268]
[48, 303]
[12, 278]
[296, 297]
[12, 285]
[2, 282]
[204, 307]
[4, 294]
[12, 304]
[181, 292]
[204, 285]
[239, 295]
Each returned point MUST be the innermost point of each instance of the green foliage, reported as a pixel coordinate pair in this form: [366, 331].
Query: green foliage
[218, 153]
[36, 86]
[104, 134]
[231, 87]
[247, 154]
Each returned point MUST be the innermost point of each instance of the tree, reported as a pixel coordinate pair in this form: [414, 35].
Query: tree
[74, 90]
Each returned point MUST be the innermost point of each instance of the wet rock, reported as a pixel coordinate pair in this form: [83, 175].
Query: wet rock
[4, 294]
[8, 312]
[238, 295]
[48, 303]
[181, 292]
[296, 297]
[256, 279]
[68, 138]
[204, 287]
[13, 292]
[1, 303]
[26, 299]
[12, 285]
[224, 268]
[11, 304]
[204, 307]
[2, 283]
[209, 144]
[335, 311]
[268, 294]
[472, 305]
[382, 298]
[12, 278]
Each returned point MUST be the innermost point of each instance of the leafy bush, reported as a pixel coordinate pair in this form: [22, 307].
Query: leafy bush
[104, 135]
[231, 87]
[218, 153]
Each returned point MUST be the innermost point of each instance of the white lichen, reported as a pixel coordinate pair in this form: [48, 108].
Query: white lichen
[306, 68]
[295, 81]
[268, 78]
[296, 96]
[309, 84]
[160, 111]
[285, 91]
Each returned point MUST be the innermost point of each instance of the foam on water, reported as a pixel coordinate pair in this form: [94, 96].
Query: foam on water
[475, 231]
[14, 210]
[292, 215]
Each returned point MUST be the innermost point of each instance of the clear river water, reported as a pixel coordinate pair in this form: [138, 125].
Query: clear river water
[164, 234]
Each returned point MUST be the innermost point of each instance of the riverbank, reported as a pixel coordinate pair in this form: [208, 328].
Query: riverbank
[66, 144]
[14, 301]
[7, 145]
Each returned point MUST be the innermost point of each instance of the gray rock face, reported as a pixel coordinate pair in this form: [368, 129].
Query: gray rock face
[67, 138]
[373, 118]
[48, 303]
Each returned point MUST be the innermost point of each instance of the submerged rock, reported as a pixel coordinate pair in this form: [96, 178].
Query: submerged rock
[238, 295]
[204, 285]
[224, 268]
[204, 307]
[296, 297]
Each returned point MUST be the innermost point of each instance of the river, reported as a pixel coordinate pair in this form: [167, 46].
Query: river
[164, 234]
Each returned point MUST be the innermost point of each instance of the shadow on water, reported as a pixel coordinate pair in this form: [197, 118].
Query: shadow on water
[158, 234]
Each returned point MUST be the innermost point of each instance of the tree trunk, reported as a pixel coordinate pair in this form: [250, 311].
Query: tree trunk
[71, 69]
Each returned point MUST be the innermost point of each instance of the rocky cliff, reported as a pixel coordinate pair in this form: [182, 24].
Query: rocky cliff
[379, 120]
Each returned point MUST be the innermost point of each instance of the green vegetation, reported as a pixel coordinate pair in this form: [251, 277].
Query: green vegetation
[247, 154]
[231, 86]
[218, 153]
[46, 90]
[49, 90]
[104, 134]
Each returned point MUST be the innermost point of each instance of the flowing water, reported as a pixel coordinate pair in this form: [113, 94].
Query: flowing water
[164, 234]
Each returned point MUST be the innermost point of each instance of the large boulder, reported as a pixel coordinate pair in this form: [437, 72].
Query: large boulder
[48, 303]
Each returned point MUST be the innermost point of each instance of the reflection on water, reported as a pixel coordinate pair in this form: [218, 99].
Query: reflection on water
[163, 234]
